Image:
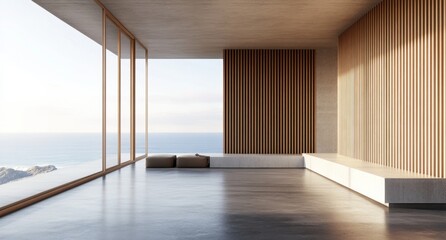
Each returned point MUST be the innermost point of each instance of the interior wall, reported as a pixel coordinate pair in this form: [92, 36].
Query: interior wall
[326, 73]
[391, 86]
[268, 101]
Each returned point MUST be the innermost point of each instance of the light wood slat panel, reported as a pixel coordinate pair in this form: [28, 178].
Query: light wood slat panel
[391, 69]
[269, 101]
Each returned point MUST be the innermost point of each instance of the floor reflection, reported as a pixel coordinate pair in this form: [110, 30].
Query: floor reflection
[25, 187]
[135, 203]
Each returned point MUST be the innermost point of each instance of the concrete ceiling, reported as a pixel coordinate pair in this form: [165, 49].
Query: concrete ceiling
[203, 28]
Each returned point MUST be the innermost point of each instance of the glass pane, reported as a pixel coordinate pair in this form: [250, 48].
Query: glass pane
[111, 94]
[50, 97]
[140, 99]
[125, 97]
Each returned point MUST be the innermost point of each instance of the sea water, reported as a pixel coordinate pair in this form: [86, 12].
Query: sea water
[24, 150]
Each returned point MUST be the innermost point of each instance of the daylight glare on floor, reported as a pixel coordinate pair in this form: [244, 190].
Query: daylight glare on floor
[140, 203]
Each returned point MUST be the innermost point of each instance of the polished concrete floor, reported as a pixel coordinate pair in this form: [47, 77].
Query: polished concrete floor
[135, 203]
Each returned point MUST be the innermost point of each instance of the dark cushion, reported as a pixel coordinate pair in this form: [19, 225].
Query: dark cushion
[193, 161]
[161, 161]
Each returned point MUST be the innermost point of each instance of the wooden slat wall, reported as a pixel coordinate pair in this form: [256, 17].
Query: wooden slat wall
[391, 86]
[268, 101]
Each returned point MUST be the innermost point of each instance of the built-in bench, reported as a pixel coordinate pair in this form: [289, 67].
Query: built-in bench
[221, 160]
[182, 161]
[386, 185]
[389, 186]
[256, 161]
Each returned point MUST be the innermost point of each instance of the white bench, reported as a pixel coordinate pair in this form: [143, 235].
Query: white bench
[386, 185]
[256, 161]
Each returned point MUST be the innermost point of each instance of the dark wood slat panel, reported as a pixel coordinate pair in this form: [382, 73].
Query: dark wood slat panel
[391, 86]
[269, 101]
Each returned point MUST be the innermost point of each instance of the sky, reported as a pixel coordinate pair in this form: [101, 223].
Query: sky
[51, 80]
[186, 95]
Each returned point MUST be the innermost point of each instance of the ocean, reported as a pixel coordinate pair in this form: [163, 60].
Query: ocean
[23, 150]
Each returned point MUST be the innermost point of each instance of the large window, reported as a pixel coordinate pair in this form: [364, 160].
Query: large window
[140, 99]
[70, 105]
[119, 94]
[125, 83]
[50, 99]
[112, 93]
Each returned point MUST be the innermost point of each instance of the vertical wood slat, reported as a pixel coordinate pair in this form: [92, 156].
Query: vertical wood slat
[268, 101]
[391, 87]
